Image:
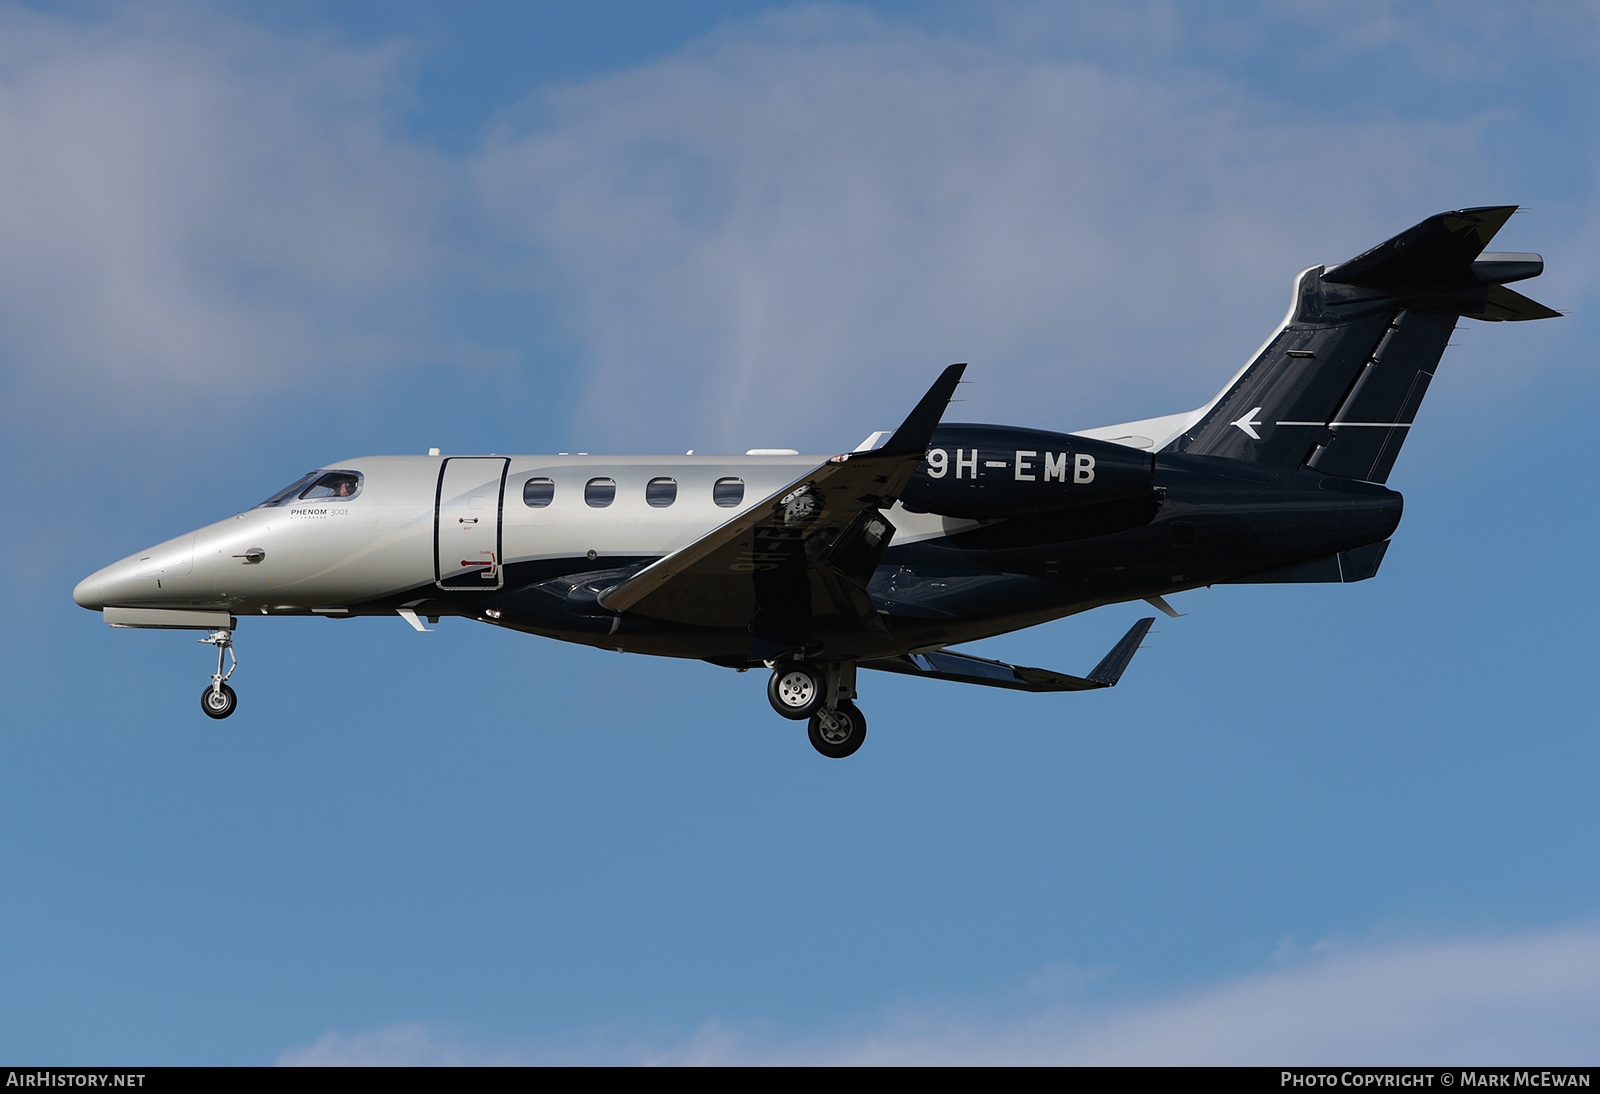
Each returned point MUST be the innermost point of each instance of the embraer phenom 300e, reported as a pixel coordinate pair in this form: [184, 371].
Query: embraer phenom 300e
[883, 557]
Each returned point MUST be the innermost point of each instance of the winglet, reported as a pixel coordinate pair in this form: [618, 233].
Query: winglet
[963, 668]
[1110, 669]
[917, 430]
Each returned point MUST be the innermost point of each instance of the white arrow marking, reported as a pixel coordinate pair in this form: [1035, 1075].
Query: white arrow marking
[1248, 423]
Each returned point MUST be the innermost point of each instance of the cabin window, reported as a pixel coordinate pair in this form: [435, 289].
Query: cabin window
[335, 484]
[661, 493]
[538, 492]
[728, 492]
[600, 492]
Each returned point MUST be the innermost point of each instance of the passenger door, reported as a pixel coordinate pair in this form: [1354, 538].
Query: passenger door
[466, 523]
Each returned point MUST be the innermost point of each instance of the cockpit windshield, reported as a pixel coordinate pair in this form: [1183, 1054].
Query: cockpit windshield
[317, 484]
[334, 484]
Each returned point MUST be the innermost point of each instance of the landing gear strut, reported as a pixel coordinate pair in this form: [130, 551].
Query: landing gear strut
[821, 694]
[218, 699]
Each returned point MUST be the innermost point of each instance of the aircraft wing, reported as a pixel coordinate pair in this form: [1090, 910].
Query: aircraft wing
[799, 558]
[963, 668]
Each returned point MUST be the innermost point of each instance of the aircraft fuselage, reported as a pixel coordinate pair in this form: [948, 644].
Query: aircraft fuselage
[1090, 523]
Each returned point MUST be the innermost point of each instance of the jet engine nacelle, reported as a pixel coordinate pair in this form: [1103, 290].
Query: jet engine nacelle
[990, 471]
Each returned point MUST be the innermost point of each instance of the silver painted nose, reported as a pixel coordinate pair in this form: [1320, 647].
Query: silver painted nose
[87, 594]
[114, 584]
[149, 577]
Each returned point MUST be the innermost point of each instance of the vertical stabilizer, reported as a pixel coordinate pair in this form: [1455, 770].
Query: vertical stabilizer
[1337, 387]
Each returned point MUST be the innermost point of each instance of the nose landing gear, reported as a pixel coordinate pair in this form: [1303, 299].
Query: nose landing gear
[218, 699]
[820, 694]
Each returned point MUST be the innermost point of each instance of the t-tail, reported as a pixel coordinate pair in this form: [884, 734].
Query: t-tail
[1336, 389]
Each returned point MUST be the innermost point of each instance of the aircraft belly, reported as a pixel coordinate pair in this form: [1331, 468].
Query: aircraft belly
[1212, 524]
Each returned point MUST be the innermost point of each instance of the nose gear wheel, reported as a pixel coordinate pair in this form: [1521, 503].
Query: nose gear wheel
[218, 702]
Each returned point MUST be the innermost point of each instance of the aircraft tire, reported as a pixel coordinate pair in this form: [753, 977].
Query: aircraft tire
[844, 738]
[217, 706]
[796, 690]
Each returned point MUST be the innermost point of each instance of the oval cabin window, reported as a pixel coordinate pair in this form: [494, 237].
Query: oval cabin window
[661, 493]
[537, 493]
[728, 492]
[600, 492]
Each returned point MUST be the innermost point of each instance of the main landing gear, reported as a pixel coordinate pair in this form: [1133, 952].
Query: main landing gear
[218, 700]
[837, 733]
[820, 694]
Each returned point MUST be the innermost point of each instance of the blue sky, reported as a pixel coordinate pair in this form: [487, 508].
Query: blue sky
[1318, 824]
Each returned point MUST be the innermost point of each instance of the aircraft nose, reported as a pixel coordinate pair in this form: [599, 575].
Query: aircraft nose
[117, 583]
[88, 593]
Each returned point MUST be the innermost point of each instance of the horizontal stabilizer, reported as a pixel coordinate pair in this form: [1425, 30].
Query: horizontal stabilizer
[1505, 305]
[1440, 265]
[963, 668]
[1439, 251]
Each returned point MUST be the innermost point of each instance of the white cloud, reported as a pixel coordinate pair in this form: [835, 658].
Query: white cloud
[1526, 999]
[771, 236]
[818, 208]
[195, 206]
[1450, 43]
[774, 235]
[409, 1044]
